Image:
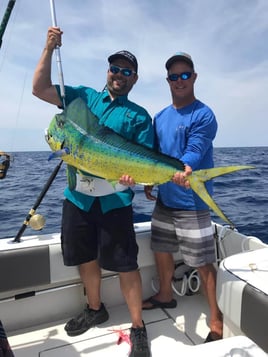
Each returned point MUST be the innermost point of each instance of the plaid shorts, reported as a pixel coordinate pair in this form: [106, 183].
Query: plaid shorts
[188, 231]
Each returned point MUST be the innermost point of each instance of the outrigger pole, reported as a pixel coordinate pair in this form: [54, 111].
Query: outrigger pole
[56, 170]
[4, 164]
[58, 56]
[5, 19]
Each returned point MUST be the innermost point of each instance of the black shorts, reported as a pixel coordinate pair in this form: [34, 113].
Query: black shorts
[108, 237]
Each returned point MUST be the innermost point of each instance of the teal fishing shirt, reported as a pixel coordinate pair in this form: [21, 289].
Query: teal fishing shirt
[124, 117]
[186, 134]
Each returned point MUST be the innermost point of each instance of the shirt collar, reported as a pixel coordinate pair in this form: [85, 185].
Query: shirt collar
[122, 99]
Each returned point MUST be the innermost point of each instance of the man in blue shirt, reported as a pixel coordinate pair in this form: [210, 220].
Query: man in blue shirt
[97, 225]
[184, 130]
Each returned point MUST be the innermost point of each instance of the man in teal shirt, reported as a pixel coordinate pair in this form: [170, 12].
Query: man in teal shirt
[97, 223]
[135, 126]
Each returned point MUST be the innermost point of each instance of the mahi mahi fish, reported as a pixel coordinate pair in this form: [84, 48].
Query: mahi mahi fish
[76, 135]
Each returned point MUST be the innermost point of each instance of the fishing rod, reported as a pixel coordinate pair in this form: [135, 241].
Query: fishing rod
[40, 221]
[5, 19]
[31, 213]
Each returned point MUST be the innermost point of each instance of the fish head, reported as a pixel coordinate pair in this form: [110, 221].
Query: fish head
[55, 134]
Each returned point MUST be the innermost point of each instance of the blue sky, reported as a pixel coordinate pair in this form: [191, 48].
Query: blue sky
[226, 38]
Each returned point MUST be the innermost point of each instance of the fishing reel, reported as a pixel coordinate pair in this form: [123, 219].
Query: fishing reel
[37, 222]
[4, 164]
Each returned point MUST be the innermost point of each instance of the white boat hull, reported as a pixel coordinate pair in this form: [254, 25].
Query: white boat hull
[38, 294]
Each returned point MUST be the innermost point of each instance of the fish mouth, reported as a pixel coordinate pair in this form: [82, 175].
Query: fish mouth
[50, 141]
[47, 136]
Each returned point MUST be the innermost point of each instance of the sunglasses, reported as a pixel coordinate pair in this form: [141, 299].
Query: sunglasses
[184, 76]
[125, 71]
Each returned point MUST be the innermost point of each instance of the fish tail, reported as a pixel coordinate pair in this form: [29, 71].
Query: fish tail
[198, 178]
[208, 174]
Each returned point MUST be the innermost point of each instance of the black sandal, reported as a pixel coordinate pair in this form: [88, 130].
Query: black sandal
[212, 337]
[155, 304]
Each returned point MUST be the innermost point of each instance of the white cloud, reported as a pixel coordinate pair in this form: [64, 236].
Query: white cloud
[225, 38]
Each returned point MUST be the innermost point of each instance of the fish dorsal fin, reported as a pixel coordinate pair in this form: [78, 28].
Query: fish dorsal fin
[78, 112]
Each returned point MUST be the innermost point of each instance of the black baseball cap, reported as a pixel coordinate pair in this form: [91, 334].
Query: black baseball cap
[125, 55]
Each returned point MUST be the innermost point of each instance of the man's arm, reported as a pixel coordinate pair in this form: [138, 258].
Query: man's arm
[42, 84]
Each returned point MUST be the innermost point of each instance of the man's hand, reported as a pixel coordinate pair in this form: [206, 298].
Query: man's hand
[148, 193]
[180, 178]
[53, 38]
[127, 180]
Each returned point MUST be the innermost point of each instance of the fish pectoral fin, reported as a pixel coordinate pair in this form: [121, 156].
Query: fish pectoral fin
[113, 183]
[198, 186]
[71, 177]
[59, 153]
[208, 174]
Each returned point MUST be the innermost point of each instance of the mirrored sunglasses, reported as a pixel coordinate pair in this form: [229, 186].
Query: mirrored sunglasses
[184, 76]
[125, 71]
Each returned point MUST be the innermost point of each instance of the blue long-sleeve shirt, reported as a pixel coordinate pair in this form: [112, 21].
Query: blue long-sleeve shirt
[186, 134]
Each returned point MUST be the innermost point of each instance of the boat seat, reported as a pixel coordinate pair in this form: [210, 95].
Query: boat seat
[29, 269]
[34, 268]
[242, 295]
[25, 267]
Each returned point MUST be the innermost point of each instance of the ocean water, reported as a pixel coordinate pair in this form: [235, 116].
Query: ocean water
[243, 196]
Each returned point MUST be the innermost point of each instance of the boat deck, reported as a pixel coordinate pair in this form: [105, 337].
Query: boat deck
[42, 290]
[166, 328]
[179, 331]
